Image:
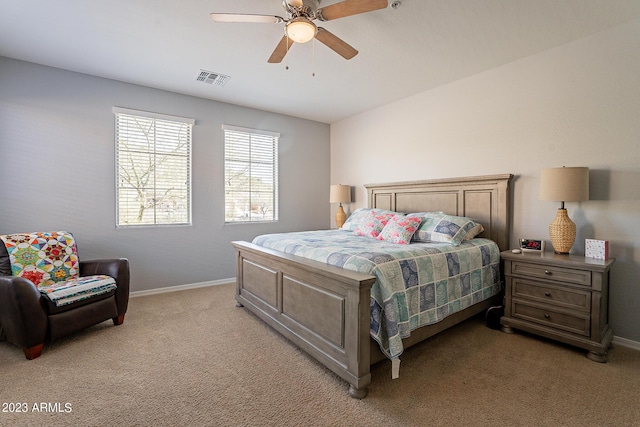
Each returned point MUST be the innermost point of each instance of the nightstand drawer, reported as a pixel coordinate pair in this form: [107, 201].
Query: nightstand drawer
[566, 275]
[574, 322]
[571, 298]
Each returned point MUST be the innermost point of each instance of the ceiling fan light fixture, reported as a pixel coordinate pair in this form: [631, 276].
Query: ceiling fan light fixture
[301, 30]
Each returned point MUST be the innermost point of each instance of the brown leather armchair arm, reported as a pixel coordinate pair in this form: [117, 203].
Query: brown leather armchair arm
[22, 317]
[118, 268]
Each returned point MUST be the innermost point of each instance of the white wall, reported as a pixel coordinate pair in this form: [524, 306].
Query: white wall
[575, 105]
[57, 172]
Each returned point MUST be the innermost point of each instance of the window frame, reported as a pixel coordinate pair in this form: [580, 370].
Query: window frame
[187, 188]
[251, 133]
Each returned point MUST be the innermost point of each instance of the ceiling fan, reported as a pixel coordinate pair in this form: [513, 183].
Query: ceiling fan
[299, 26]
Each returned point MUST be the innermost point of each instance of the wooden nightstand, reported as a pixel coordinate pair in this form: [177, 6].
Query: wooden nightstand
[562, 297]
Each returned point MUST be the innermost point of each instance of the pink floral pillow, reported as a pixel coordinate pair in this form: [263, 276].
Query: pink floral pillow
[400, 229]
[372, 224]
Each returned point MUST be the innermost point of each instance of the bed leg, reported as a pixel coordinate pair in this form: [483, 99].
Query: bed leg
[358, 393]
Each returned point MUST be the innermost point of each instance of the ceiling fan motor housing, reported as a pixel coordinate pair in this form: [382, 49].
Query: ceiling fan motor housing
[314, 4]
[305, 8]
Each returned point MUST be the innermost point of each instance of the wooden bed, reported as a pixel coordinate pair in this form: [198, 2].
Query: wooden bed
[325, 310]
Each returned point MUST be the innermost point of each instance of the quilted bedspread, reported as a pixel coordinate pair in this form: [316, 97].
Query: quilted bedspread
[417, 284]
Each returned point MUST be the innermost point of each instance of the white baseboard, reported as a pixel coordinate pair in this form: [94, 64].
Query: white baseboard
[623, 342]
[181, 287]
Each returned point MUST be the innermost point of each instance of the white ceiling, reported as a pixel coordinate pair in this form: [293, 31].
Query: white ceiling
[420, 45]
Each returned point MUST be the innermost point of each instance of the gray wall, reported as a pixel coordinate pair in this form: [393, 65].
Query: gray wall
[574, 105]
[57, 172]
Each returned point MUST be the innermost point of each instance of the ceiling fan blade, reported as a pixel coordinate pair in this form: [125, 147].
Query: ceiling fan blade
[240, 17]
[350, 7]
[338, 45]
[281, 50]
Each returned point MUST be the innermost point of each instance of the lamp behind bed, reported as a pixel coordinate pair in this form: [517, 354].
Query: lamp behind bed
[340, 194]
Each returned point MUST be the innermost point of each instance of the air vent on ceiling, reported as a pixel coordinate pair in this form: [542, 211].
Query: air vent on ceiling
[212, 78]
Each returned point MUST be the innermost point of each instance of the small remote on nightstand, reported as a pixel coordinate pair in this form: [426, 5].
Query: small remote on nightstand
[516, 251]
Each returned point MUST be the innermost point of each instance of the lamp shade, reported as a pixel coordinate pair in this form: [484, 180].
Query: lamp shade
[340, 194]
[564, 184]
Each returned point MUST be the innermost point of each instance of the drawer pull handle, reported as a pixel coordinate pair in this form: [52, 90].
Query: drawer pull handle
[546, 316]
[547, 294]
[547, 272]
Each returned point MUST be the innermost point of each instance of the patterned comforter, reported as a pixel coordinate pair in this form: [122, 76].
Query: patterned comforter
[417, 284]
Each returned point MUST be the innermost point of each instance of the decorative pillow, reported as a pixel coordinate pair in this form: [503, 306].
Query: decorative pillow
[425, 214]
[372, 224]
[44, 258]
[447, 229]
[400, 229]
[360, 215]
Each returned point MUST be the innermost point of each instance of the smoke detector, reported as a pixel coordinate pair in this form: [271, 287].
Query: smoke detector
[212, 78]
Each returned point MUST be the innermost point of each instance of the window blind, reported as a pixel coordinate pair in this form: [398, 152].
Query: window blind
[251, 174]
[153, 168]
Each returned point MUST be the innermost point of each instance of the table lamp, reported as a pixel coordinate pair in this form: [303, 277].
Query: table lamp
[564, 185]
[340, 194]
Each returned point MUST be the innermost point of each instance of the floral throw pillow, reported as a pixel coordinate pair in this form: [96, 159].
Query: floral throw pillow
[400, 229]
[44, 258]
[372, 224]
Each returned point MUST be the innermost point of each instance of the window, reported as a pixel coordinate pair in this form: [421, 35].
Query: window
[153, 168]
[250, 175]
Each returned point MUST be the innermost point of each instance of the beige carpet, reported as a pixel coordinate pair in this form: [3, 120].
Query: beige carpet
[193, 358]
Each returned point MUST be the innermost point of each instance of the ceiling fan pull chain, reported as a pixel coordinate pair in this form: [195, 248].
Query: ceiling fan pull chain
[286, 65]
[313, 58]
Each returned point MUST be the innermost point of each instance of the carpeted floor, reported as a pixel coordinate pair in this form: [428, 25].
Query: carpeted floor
[193, 358]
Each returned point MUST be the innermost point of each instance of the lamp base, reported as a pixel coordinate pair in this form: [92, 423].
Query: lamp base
[562, 232]
[341, 217]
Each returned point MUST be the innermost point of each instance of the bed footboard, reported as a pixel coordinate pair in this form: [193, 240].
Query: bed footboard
[325, 310]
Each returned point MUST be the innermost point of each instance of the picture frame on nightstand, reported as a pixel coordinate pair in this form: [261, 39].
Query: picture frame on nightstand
[596, 249]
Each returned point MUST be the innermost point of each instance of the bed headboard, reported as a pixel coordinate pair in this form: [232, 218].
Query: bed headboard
[483, 198]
